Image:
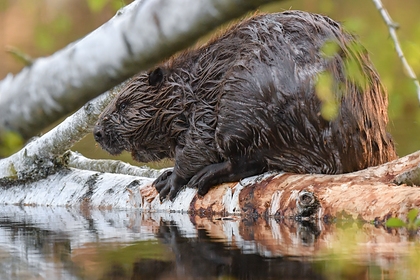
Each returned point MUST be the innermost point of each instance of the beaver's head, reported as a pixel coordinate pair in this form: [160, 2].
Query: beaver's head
[135, 120]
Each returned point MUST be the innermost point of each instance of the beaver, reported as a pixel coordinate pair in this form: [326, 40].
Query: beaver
[246, 103]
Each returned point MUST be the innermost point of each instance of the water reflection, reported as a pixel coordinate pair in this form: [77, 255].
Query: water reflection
[60, 243]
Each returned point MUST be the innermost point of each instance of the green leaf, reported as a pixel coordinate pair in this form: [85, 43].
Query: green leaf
[10, 142]
[412, 215]
[96, 5]
[62, 24]
[325, 93]
[354, 72]
[395, 222]
[330, 48]
[117, 4]
[44, 40]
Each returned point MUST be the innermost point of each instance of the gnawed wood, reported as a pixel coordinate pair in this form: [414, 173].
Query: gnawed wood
[370, 194]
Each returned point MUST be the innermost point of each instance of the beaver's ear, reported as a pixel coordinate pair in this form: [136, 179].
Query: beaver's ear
[155, 77]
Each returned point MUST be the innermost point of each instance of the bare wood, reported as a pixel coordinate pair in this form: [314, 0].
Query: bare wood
[370, 194]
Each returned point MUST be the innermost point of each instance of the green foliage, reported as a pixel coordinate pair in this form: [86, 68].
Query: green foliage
[325, 93]
[395, 222]
[45, 34]
[412, 224]
[117, 4]
[354, 25]
[44, 39]
[352, 66]
[10, 142]
[4, 5]
[327, 6]
[329, 49]
[97, 6]
[62, 24]
[139, 250]
[326, 89]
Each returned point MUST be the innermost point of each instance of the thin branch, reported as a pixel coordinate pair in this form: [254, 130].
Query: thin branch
[392, 27]
[78, 161]
[45, 149]
[20, 55]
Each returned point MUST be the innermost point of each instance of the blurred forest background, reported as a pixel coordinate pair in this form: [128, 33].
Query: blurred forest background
[41, 27]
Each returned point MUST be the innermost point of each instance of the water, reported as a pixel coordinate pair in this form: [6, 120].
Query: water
[62, 243]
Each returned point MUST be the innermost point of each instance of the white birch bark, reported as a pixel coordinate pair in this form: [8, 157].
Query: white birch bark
[140, 35]
[43, 178]
[39, 157]
[281, 195]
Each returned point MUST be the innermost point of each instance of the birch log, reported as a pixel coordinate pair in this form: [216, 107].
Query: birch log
[140, 35]
[370, 194]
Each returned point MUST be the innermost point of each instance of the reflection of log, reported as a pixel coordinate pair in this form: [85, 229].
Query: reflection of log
[86, 235]
[368, 194]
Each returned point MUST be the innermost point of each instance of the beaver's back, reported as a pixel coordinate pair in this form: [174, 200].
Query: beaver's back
[246, 103]
[269, 105]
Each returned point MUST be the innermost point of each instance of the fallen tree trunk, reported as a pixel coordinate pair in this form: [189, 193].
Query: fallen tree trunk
[371, 194]
[43, 179]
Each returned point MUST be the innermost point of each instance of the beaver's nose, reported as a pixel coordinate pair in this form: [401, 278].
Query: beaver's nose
[98, 133]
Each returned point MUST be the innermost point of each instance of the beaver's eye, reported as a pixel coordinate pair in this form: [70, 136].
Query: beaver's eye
[122, 106]
[155, 77]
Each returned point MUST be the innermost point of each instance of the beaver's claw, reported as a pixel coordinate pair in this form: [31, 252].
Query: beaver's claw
[168, 183]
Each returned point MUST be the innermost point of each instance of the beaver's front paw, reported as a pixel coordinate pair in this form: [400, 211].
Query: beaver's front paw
[168, 183]
[161, 181]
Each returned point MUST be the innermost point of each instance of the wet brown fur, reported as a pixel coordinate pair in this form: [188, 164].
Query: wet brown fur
[245, 103]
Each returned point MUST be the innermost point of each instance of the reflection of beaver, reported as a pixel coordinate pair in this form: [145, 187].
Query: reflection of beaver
[245, 103]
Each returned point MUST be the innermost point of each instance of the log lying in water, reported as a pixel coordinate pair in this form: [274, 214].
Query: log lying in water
[375, 193]
[370, 194]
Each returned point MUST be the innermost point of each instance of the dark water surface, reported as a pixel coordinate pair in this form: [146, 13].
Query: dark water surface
[60, 243]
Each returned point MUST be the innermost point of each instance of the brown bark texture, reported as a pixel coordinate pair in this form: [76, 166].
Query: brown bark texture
[373, 194]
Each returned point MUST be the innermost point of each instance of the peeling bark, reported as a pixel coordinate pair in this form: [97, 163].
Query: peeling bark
[369, 195]
[38, 175]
